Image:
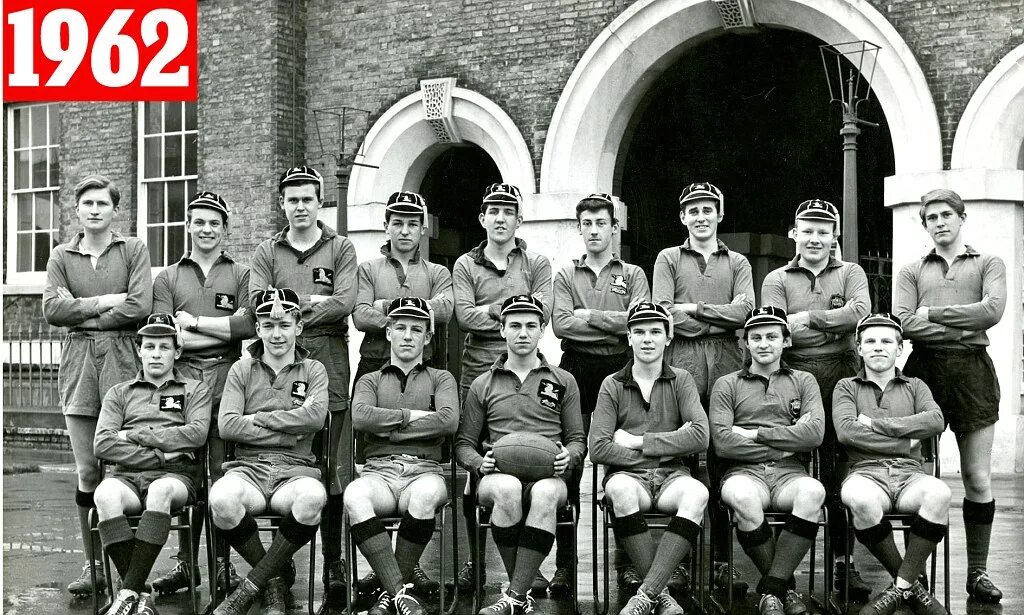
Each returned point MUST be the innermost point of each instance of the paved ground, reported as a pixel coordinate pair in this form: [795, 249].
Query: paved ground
[42, 551]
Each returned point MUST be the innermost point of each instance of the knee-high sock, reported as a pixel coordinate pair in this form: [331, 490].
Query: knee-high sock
[413, 536]
[330, 528]
[118, 540]
[507, 541]
[289, 539]
[632, 532]
[678, 540]
[534, 546]
[792, 546]
[924, 535]
[150, 537]
[375, 545]
[759, 545]
[84, 501]
[880, 542]
[978, 518]
[245, 538]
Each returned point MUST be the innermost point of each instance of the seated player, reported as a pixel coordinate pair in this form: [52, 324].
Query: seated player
[150, 428]
[273, 405]
[765, 421]
[881, 416]
[403, 412]
[521, 392]
[648, 418]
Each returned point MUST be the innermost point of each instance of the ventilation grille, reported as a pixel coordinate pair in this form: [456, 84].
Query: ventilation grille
[736, 14]
[437, 108]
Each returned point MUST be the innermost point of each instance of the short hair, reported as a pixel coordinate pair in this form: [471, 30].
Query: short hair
[942, 195]
[140, 337]
[188, 214]
[296, 313]
[504, 317]
[302, 182]
[899, 336]
[98, 182]
[785, 331]
[596, 205]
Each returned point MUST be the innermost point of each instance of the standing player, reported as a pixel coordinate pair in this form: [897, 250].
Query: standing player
[99, 286]
[947, 300]
[208, 293]
[150, 428]
[590, 303]
[647, 421]
[709, 290]
[765, 421]
[483, 278]
[273, 405]
[825, 298]
[399, 272]
[881, 416]
[320, 265]
[404, 412]
[521, 393]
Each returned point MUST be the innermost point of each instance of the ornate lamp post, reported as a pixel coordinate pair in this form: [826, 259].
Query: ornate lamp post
[849, 68]
[343, 161]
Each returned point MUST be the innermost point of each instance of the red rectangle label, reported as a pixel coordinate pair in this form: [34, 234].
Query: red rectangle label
[64, 50]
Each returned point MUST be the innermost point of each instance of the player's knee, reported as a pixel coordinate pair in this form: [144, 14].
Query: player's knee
[309, 501]
[107, 498]
[88, 473]
[742, 500]
[977, 478]
[426, 497]
[547, 495]
[696, 495]
[357, 497]
[226, 500]
[811, 494]
[622, 493]
[160, 495]
[861, 504]
[937, 496]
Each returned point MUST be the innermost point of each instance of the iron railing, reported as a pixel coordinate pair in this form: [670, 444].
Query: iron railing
[879, 271]
[31, 358]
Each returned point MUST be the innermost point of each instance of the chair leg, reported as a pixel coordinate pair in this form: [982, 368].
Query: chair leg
[478, 538]
[211, 557]
[440, 562]
[311, 585]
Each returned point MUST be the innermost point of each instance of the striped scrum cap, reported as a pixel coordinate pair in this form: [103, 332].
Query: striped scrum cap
[503, 194]
[276, 302]
[645, 311]
[412, 307]
[819, 210]
[882, 319]
[408, 203]
[702, 190]
[161, 324]
[604, 197]
[209, 200]
[522, 304]
[301, 175]
[767, 315]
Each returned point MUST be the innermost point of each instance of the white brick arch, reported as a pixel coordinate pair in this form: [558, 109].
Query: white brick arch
[603, 92]
[991, 131]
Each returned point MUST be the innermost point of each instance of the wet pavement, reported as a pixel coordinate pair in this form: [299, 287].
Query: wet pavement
[42, 552]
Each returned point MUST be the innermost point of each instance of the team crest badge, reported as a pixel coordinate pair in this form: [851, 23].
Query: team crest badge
[836, 301]
[224, 301]
[618, 285]
[794, 409]
[550, 393]
[323, 275]
[299, 392]
[172, 403]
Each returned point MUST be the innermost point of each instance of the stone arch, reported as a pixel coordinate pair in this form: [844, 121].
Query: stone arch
[403, 144]
[609, 81]
[991, 131]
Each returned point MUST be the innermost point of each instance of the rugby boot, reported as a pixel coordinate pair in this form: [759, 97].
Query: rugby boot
[859, 590]
[665, 604]
[275, 597]
[465, 578]
[369, 585]
[793, 604]
[382, 605]
[559, 587]
[405, 603]
[679, 582]
[539, 586]
[981, 588]
[82, 586]
[725, 579]
[639, 604]
[239, 601]
[176, 579]
[227, 578]
[146, 606]
[124, 603]
[922, 602]
[629, 580]
[885, 603]
[506, 605]
[770, 605]
[423, 584]
[337, 583]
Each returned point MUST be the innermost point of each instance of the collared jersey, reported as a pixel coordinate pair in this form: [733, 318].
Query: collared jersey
[964, 299]
[607, 296]
[123, 267]
[327, 268]
[901, 415]
[222, 293]
[681, 275]
[775, 406]
[547, 403]
[385, 278]
[478, 283]
[380, 410]
[277, 413]
[170, 418]
[674, 400]
[835, 300]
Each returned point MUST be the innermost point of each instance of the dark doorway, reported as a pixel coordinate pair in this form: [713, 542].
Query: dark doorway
[749, 113]
[453, 187]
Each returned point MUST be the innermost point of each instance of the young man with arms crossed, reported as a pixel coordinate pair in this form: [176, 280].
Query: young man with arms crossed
[521, 392]
[648, 419]
[765, 421]
[274, 403]
[208, 293]
[150, 427]
[320, 265]
[708, 289]
[483, 278]
[825, 298]
[947, 300]
[881, 417]
[591, 297]
[402, 414]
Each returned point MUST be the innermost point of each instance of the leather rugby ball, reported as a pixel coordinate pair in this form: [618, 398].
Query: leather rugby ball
[525, 455]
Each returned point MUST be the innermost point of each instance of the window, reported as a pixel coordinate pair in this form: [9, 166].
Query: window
[168, 169]
[33, 183]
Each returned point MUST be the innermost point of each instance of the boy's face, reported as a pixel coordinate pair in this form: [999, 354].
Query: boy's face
[278, 334]
[158, 355]
[942, 223]
[500, 222]
[206, 227]
[879, 346]
[765, 343]
[300, 204]
[408, 336]
[701, 218]
[597, 230]
[648, 341]
[814, 239]
[522, 333]
[96, 209]
[404, 231]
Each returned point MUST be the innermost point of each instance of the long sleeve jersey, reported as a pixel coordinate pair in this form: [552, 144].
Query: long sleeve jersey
[620, 405]
[122, 268]
[327, 268]
[380, 411]
[385, 279]
[264, 412]
[170, 418]
[776, 406]
[479, 284]
[901, 416]
[835, 300]
[964, 299]
[223, 293]
[681, 275]
[607, 296]
[547, 403]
